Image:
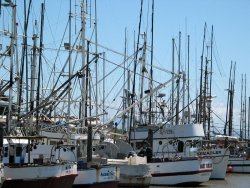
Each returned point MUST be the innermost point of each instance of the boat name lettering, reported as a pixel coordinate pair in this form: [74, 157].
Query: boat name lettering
[169, 132]
[109, 173]
[209, 152]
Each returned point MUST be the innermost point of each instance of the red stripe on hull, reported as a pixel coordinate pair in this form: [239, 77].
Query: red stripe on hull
[113, 184]
[53, 182]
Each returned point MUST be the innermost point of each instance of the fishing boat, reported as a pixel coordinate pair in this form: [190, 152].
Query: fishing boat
[239, 159]
[94, 173]
[239, 164]
[25, 167]
[134, 170]
[188, 140]
[171, 161]
[182, 171]
[220, 157]
[97, 175]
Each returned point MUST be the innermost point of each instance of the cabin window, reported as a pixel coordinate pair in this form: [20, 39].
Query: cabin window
[19, 151]
[6, 149]
[12, 151]
[180, 146]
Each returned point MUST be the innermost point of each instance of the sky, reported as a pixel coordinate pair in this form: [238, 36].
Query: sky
[230, 20]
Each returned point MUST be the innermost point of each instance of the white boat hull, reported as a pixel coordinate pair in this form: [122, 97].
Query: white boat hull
[134, 175]
[134, 171]
[99, 176]
[181, 172]
[220, 157]
[220, 162]
[239, 165]
[39, 172]
[50, 176]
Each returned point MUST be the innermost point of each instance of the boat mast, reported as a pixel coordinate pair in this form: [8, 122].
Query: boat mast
[204, 111]
[184, 87]
[83, 123]
[143, 70]
[135, 66]
[27, 64]
[128, 95]
[151, 64]
[12, 42]
[96, 64]
[183, 96]
[103, 86]
[70, 50]
[188, 97]
[199, 111]
[17, 76]
[231, 102]
[24, 54]
[172, 101]
[39, 65]
[241, 108]
[150, 130]
[124, 99]
[210, 87]
[228, 100]
[245, 109]
[33, 78]
[178, 82]
[88, 89]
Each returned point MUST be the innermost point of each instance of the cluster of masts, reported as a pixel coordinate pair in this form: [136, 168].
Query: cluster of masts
[147, 108]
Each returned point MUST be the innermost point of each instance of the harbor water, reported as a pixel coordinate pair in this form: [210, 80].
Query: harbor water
[232, 180]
